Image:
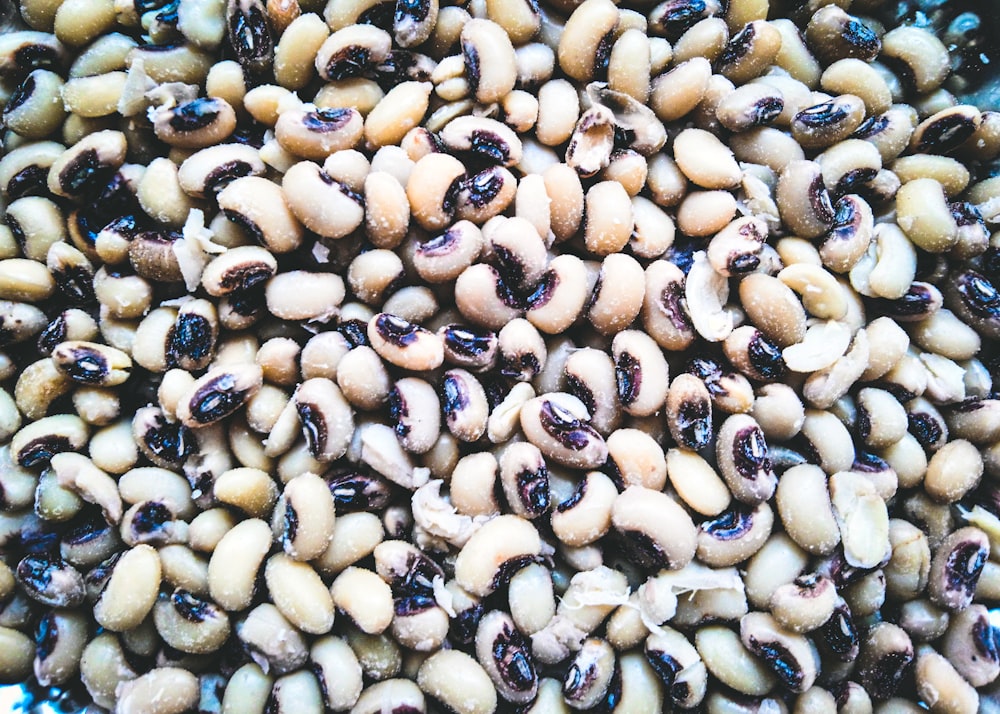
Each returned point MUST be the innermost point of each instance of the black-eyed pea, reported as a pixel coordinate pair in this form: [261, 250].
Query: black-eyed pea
[636, 458]
[365, 598]
[351, 51]
[641, 373]
[299, 594]
[208, 527]
[697, 483]
[704, 213]
[919, 51]
[863, 519]
[103, 667]
[236, 558]
[297, 692]
[586, 515]
[190, 623]
[163, 690]
[130, 591]
[561, 294]
[804, 604]
[458, 681]
[394, 693]
[919, 206]
[36, 443]
[208, 171]
[525, 480]
[338, 671]
[261, 208]
[195, 124]
[278, 647]
[79, 474]
[791, 656]
[968, 645]
[938, 681]
[618, 296]
[303, 520]
[832, 35]
[558, 425]
[323, 204]
[953, 471]
[433, 189]
[806, 483]
[705, 38]
[585, 44]
[355, 536]
[590, 376]
[296, 47]
[677, 92]
[773, 308]
[505, 655]
[744, 460]
[777, 562]
[705, 160]
[638, 516]
[494, 552]
[727, 659]
[25, 280]
[34, 109]
[881, 420]
[415, 408]
[749, 52]
[469, 347]
[829, 122]
[804, 200]
[664, 315]
[50, 580]
[38, 385]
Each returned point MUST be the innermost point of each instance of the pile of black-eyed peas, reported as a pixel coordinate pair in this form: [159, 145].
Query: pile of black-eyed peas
[473, 356]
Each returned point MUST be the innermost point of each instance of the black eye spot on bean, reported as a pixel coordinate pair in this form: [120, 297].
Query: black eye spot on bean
[489, 145]
[472, 71]
[509, 568]
[484, 186]
[628, 377]
[730, 525]
[217, 399]
[246, 276]
[84, 170]
[463, 627]
[249, 33]
[578, 680]
[738, 46]
[780, 660]
[355, 332]
[984, 639]
[533, 490]
[863, 40]
[76, 283]
[822, 115]
[963, 568]
[946, 134]
[150, 517]
[694, 422]
[326, 120]
[398, 412]
[40, 450]
[767, 110]
[665, 666]
[189, 606]
[510, 654]
[887, 673]
[21, 94]
[765, 356]
[602, 54]
[978, 294]
[358, 492]
[565, 428]
[352, 61]
[35, 56]
[35, 571]
[172, 442]
[46, 636]
[29, 181]
[194, 115]
[642, 550]
[191, 338]
[313, 426]
[924, 428]
[219, 177]
[679, 16]
[456, 398]
[415, 10]
[819, 199]
[840, 635]
[750, 453]
[395, 330]
[467, 342]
